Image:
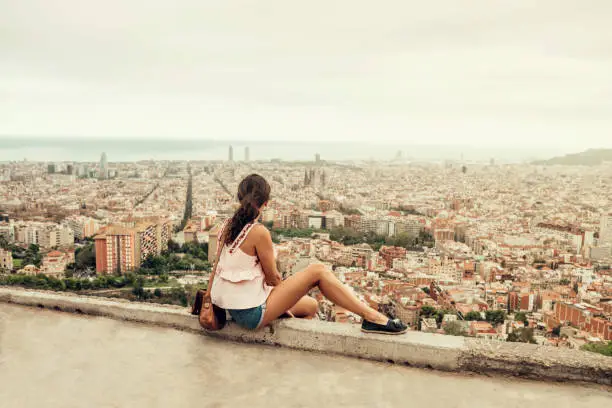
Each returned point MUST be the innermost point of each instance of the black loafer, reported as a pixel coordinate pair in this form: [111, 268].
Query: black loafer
[393, 326]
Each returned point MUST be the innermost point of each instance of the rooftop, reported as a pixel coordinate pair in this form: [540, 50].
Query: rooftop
[55, 359]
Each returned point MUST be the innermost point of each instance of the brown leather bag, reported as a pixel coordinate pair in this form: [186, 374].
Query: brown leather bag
[211, 317]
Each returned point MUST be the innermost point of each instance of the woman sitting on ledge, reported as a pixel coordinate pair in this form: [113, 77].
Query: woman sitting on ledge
[247, 283]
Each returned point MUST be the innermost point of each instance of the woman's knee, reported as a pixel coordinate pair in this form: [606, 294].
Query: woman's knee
[312, 306]
[316, 270]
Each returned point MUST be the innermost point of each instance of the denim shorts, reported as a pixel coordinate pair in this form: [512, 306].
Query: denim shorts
[248, 318]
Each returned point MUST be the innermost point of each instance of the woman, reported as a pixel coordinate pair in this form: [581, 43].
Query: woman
[248, 284]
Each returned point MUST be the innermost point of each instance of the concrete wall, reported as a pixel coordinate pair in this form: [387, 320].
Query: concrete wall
[436, 351]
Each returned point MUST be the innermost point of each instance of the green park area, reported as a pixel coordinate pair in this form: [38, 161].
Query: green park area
[151, 282]
[349, 236]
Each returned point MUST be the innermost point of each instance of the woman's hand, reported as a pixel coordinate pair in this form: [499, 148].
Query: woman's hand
[275, 280]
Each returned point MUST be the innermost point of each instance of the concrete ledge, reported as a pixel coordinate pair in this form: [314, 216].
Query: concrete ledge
[440, 352]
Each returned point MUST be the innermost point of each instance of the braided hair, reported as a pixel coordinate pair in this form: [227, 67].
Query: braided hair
[253, 192]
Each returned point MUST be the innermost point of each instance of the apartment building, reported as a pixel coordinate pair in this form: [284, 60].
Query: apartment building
[389, 253]
[6, 260]
[55, 236]
[605, 229]
[409, 226]
[121, 249]
[116, 250]
[45, 235]
[585, 317]
[83, 227]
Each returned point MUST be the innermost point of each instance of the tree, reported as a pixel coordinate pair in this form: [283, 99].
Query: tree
[575, 287]
[157, 292]
[524, 335]
[427, 311]
[520, 317]
[476, 316]
[69, 272]
[495, 317]
[138, 289]
[556, 331]
[439, 316]
[85, 257]
[454, 329]
[426, 290]
[32, 256]
[564, 281]
[173, 246]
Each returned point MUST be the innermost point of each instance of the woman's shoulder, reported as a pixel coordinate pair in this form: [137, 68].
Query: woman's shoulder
[259, 229]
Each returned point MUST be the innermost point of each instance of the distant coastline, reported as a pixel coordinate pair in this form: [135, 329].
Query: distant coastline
[84, 149]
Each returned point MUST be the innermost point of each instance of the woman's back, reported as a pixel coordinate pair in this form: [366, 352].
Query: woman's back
[239, 280]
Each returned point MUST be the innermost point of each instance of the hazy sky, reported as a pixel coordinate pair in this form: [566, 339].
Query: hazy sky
[483, 72]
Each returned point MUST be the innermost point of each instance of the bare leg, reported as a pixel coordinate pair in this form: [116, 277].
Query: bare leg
[307, 307]
[290, 291]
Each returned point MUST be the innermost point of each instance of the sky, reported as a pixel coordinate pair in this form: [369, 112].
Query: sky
[530, 73]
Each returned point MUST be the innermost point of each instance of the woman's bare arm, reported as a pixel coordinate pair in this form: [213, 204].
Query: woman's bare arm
[265, 253]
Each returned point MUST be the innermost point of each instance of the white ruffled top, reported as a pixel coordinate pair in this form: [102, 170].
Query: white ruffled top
[239, 281]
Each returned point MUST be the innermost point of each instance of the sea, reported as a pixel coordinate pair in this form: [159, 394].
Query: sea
[87, 149]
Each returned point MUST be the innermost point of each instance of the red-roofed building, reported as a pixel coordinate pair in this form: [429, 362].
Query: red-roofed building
[482, 329]
[389, 253]
[55, 263]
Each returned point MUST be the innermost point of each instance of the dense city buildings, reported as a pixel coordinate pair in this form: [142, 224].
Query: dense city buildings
[482, 250]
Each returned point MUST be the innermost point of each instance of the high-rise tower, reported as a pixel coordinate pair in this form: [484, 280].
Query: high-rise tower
[103, 167]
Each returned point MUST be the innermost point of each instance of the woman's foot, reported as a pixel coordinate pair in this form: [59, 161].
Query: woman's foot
[393, 326]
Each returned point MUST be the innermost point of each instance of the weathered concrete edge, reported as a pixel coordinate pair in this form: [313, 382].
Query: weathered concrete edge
[446, 353]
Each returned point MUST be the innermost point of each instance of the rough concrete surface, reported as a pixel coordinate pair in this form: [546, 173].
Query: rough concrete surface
[447, 353]
[51, 359]
[535, 361]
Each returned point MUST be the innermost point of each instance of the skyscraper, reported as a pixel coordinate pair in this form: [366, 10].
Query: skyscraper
[103, 167]
[605, 229]
[231, 154]
[317, 157]
[247, 154]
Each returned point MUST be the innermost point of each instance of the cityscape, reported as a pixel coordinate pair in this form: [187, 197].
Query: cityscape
[508, 252]
[431, 184]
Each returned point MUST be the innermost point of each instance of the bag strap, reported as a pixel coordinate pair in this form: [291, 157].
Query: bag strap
[220, 245]
[241, 237]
